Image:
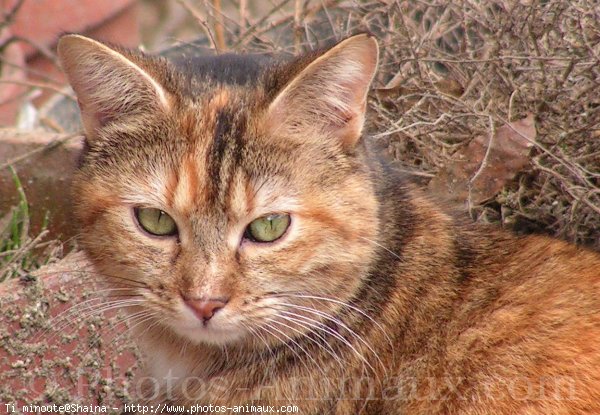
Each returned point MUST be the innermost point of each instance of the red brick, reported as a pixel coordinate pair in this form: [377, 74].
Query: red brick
[44, 349]
[45, 174]
[43, 20]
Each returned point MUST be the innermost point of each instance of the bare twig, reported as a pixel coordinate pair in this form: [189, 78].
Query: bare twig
[8, 17]
[483, 164]
[41, 85]
[34, 72]
[41, 48]
[202, 22]
[258, 24]
[47, 147]
[298, 13]
[268, 26]
[22, 251]
[243, 14]
[218, 25]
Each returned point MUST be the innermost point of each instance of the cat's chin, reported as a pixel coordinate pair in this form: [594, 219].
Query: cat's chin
[211, 333]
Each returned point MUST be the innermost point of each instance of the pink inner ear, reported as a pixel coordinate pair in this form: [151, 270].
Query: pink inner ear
[92, 119]
[100, 116]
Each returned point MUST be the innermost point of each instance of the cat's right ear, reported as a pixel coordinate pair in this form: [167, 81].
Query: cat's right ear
[108, 84]
[330, 93]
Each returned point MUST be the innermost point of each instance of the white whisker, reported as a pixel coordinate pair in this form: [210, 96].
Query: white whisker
[340, 337]
[350, 306]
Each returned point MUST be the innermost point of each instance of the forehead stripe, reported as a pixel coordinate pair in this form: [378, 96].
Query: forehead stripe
[225, 150]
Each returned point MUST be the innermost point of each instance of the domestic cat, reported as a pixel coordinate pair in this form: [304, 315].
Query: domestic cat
[268, 257]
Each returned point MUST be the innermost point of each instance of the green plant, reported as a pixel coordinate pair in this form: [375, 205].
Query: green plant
[17, 248]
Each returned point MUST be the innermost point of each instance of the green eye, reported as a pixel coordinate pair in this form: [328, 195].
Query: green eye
[268, 228]
[156, 222]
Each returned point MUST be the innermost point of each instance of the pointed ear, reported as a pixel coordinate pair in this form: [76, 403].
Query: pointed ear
[108, 84]
[330, 93]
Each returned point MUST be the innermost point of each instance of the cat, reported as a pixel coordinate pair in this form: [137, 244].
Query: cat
[268, 257]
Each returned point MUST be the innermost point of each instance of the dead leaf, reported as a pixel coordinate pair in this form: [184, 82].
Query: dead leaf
[476, 174]
[450, 87]
[395, 88]
[399, 87]
[392, 89]
[390, 93]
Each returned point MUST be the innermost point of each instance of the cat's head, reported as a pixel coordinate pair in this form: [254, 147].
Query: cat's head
[218, 211]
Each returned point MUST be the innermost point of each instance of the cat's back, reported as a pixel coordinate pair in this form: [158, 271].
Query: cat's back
[527, 334]
[517, 323]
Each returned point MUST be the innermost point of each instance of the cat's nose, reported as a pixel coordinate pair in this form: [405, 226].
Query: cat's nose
[205, 308]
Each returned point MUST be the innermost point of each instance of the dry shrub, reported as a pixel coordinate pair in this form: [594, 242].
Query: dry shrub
[510, 59]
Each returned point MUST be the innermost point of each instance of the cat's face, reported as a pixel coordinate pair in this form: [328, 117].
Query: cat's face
[230, 215]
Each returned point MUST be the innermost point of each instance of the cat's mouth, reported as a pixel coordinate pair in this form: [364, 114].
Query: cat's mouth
[201, 327]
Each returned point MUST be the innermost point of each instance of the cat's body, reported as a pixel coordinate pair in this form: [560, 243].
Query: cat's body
[372, 300]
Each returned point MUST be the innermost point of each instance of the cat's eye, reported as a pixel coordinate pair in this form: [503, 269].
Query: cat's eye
[156, 222]
[268, 228]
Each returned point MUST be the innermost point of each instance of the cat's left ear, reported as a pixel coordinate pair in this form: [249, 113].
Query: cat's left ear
[329, 94]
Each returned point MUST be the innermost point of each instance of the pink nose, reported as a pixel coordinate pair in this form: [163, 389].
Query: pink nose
[205, 308]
